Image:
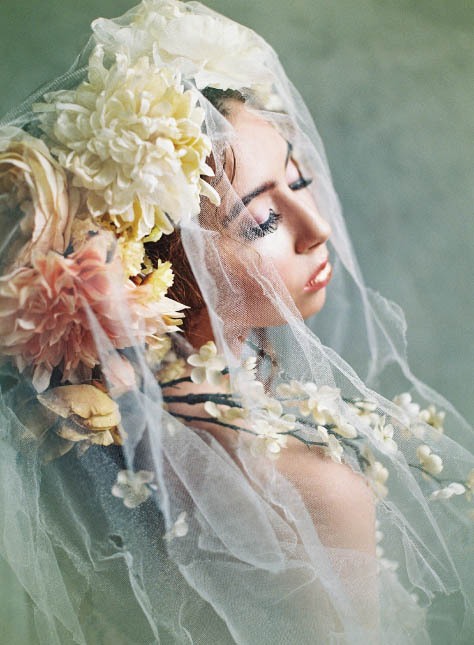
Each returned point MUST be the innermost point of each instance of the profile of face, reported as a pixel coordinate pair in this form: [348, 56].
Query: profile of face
[276, 219]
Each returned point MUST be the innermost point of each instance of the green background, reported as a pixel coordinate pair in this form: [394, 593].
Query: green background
[390, 85]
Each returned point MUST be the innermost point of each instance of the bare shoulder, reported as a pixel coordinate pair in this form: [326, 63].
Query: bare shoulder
[340, 499]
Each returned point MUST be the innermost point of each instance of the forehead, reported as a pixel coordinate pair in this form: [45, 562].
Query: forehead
[257, 149]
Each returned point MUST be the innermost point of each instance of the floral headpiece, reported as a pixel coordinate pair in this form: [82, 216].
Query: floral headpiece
[119, 163]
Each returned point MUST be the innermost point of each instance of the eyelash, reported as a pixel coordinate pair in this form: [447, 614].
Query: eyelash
[270, 225]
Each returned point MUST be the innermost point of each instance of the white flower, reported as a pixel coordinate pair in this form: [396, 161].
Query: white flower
[433, 464]
[365, 410]
[202, 47]
[131, 486]
[267, 441]
[226, 414]
[206, 48]
[470, 485]
[384, 434]
[343, 427]
[390, 565]
[376, 473]
[321, 401]
[333, 449]
[208, 365]
[179, 529]
[404, 401]
[172, 370]
[250, 364]
[131, 135]
[434, 418]
[445, 493]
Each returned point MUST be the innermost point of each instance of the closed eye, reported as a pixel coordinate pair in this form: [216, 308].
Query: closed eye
[268, 226]
[302, 182]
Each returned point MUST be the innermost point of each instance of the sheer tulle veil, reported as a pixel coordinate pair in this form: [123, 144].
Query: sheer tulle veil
[152, 490]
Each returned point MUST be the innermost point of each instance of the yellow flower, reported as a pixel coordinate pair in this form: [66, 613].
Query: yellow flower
[160, 279]
[132, 254]
[171, 371]
[89, 414]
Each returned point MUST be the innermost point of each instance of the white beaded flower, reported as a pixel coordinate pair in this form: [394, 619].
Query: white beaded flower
[404, 400]
[376, 473]
[267, 441]
[384, 434]
[448, 491]
[208, 365]
[131, 487]
[333, 447]
[433, 464]
[179, 529]
[225, 414]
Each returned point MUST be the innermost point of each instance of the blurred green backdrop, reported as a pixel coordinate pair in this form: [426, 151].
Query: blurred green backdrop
[390, 84]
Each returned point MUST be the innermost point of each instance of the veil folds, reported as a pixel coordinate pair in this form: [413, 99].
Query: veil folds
[156, 492]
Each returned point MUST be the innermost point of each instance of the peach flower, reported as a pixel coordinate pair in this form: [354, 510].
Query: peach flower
[38, 195]
[62, 309]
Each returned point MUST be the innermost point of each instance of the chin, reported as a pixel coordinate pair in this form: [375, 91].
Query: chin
[314, 304]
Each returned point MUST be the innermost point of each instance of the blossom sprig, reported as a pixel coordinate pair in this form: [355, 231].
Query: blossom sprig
[272, 421]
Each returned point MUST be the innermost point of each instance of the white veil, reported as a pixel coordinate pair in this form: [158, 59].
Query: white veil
[122, 516]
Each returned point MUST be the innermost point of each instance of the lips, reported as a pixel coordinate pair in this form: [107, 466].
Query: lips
[314, 276]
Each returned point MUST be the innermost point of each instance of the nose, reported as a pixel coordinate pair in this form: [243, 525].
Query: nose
[310, 228]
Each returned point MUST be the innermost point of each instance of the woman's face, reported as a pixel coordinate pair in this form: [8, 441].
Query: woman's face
[284, 226]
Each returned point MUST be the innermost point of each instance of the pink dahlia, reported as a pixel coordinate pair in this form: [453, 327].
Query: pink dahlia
[62, 309]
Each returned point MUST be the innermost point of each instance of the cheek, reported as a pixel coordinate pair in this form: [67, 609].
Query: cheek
[278, 250]
[248, 300]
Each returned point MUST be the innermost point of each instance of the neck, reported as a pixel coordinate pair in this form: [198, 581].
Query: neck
[200, 331]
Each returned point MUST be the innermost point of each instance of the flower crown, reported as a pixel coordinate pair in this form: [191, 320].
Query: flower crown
[119, 162]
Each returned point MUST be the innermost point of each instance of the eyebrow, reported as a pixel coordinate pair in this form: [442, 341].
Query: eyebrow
[244, 201]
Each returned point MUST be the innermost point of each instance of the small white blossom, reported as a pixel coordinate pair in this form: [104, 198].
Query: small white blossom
[432, 417]
[321, 401]
[376, 473]
[208, 365]
[404, 401]
[433, 464]
[250, 364]
[131, 487]
[445, 493]
[179, 529]
[379, 551]
[365, 410]
[172, 370]
[384, 434]
[226, 414]
[333, 449]
[343, 427]
[363, 406]
[267, 441]
[470, 485]
[390, 565]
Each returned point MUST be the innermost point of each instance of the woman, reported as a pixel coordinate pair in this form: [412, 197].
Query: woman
[192, 464]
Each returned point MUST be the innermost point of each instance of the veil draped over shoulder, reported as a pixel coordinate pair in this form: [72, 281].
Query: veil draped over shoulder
[155, 491]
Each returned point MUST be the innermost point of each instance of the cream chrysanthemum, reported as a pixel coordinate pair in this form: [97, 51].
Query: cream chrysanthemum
[131, 135]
